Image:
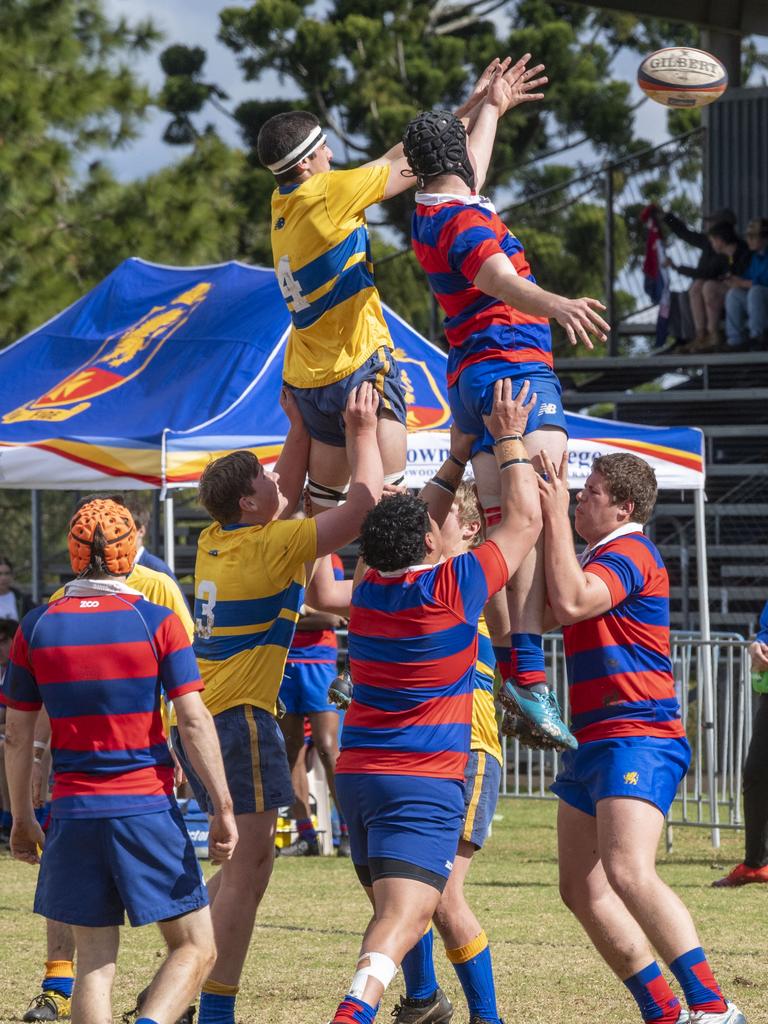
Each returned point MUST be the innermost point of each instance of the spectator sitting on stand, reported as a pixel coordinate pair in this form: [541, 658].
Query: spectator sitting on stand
[138, 506]
[755, 865]
[746, 302]
[707, 292]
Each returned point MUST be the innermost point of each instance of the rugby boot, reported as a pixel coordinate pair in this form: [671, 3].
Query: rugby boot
[48, 1005]
[517, 728]
[343, 849]
[437, 1010]
[741, 875]
[541, 712]
[302, 848]
[340, 690]
[188, 1017]
[731, 1015]
[685, 1017]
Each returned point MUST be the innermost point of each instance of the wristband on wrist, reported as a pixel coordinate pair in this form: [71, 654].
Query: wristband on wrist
[508, 437]
[439, 482]
[39, 745]
[457, 462]
[514, 462]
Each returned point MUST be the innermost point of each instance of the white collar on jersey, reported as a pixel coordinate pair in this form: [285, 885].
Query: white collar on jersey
[409, 568]
[620, 531]
[95, 588]
[436, 198]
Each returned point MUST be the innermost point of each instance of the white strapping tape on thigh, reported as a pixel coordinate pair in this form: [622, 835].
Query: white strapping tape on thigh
[395, 479]
[327, 497]
[379, 967]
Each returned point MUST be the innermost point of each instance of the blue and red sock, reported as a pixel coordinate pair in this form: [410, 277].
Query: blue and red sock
[702, 993]
[474, 969]
[306, 829]
[419, 969]
[354, 1011]
[528, 659]
[651, 991]
[503, 656]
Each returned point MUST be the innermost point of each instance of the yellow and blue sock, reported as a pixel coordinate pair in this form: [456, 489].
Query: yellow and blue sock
[474, 969]
[217, 1003]
[655, 999]
[354, 1011]
[59, 977]
[528, 660]
[702, 993]
[419, 969]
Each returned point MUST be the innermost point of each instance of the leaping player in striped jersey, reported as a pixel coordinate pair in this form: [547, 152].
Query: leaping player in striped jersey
[413, 649]
[322, 257]
[616, 789]
[497, 326]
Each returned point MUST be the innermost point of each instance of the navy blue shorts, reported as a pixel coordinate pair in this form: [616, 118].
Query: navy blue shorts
[402, 819]
[304, 689]
[93, 871]
[255, 761]
[481, 794]
[471, 397]
[321, 408]
[639, 767]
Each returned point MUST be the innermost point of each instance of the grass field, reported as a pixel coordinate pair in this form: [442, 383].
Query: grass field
[309, 927]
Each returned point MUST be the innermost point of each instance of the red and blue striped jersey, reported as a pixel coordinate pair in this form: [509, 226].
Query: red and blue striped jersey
[97, 665]
[619, 665]
[412, 654]
[317, 646]
[452, 239]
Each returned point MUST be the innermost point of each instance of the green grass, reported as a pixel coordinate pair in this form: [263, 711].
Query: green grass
[309, 926]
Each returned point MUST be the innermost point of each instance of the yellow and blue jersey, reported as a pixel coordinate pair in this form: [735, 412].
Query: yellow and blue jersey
[249, 584]
[322, 257]
[485, 731]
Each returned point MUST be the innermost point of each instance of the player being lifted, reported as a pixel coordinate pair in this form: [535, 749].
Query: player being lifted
[322, 256]
[497, 326]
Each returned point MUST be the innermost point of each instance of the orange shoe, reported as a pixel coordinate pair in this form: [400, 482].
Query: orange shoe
[741, 875]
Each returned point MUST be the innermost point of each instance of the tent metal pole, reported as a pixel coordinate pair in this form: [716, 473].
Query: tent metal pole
[169, 531]
[706, 680]
[37, 546]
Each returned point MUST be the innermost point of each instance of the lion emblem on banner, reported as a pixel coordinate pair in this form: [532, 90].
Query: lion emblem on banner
[426, 407]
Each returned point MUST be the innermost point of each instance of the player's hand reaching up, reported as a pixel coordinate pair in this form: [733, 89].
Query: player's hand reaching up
[517, 84]
[480, 88]
[580, 318]
[222, 836]
[291, 409]
[553, 487]
[509, 415]
[361, 410]
[461, 444]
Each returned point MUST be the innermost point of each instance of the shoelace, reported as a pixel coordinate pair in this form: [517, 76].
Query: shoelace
[46, 999]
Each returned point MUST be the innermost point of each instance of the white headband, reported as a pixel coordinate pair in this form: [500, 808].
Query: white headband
[315, 139]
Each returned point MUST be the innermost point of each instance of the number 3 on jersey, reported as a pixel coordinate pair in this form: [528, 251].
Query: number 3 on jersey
[289, 286]
[206, 594]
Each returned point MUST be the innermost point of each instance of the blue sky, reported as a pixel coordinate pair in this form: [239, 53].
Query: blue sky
[195, 22]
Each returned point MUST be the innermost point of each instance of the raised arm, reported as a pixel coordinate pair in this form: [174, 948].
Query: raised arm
[498, 277]
[574, 595]
[520, 509]
[339, 526]
[291, 466]
[438, 494]
[328, 597]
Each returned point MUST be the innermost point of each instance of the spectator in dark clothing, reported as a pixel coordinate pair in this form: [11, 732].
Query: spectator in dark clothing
[707, 293]
[139, 508]
[746, 302]
[755, 865]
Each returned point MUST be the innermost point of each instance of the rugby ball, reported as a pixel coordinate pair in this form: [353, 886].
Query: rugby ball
[679, 76]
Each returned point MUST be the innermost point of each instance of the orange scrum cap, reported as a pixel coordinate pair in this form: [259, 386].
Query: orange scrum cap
[118, 538]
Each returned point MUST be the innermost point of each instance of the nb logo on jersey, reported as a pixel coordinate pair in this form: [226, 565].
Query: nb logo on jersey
[449, 865]
[547, 409]
[89, 604]
[631, 778]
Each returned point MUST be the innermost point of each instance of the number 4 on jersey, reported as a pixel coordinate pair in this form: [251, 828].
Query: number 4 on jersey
[289, 286]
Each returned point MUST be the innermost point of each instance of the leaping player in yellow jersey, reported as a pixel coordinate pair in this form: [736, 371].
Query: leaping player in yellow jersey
[322, 256]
